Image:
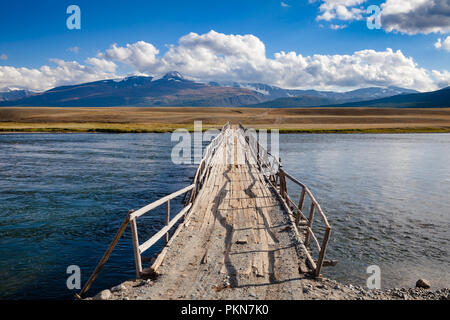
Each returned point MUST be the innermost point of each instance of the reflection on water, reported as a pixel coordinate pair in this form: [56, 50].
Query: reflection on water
[62, 198]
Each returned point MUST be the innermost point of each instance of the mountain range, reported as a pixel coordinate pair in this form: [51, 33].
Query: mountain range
[170, 90]
[433, 99]
[8, 94]
[173, 89]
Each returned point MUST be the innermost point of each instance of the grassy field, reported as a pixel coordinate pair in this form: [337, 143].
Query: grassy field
[305, 120]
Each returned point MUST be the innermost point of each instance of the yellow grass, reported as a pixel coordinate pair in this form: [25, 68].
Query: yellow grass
[314, 120]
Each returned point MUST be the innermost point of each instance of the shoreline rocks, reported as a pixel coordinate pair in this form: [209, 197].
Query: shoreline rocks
[324, 289]
[423, 283]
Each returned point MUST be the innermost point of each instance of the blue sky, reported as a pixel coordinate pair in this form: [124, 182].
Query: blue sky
[35, 31]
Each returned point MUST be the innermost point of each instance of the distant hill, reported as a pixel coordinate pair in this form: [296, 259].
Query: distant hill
[313, 98]
[175, 90]
[273, 92]
[434, 99]
[8, 94]
[295, 102]
[171, 90]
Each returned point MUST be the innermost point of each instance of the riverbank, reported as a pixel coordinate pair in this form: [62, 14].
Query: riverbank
[86, 128]
[168, 119]
[324, 289]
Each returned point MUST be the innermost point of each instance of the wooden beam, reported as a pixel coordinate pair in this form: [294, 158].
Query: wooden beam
[159, 202]
[160, 258]
[310, 223]
[302, 199]
[322, 251]
[137, 254]
[167, 220]
[309, 258]
[143, 247]
[105, 257]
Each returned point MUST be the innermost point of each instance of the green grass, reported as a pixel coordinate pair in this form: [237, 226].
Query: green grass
[371, 130]
[167, 129]
[103, 129]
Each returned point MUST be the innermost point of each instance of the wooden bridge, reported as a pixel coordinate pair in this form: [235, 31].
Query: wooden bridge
[238, 232]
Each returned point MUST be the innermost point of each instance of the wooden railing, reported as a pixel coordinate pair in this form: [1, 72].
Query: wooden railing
[299, 216]
[273, 170]
[205, 164]
[139, 249]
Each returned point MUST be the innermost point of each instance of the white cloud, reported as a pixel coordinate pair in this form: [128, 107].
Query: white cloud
[102, 64]
[140, 55]
[338, 26]
[46, 77]
[285, 5]
[442, 78]
[443, 44]
[416, 16]
[3, 57]
[404, 16]
[362, 68]
[340, 10]
[217, 56]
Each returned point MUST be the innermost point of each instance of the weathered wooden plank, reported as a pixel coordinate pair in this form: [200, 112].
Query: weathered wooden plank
[137, 254]
[322, 251]
[159, 202]
[167, 220]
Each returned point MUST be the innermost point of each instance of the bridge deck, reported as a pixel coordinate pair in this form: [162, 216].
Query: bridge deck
[237, 242]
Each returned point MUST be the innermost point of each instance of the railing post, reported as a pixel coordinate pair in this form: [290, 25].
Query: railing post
[137, 254]
[257, 153]
[322, 251]
[310, 223]
[302, 199]
[283, 186]
[167, 219]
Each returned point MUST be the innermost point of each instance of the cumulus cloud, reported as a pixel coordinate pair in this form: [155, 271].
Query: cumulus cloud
[102, 65]
[218, 56]
[442, 78]
[443, 44]
[3, 57]
[47, 77]
[284, 4]
[416, 16]
[362, 68]
[404, 16]
[340, 9]
[140, 55]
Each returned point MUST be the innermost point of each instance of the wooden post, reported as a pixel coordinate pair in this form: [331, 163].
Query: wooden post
[137, 254]
[302, 199]
[310, 223]
[105, 256]
[257, 153]
[322, 251]
[283, 186]
[167, 220]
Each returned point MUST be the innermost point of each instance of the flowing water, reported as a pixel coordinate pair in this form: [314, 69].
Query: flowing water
[63, 196]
